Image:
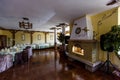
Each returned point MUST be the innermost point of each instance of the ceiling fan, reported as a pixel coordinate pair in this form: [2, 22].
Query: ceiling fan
[113, 2]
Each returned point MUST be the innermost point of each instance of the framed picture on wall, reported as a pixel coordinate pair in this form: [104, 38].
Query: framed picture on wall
[51, 37]
[39, 37]
[23, 37]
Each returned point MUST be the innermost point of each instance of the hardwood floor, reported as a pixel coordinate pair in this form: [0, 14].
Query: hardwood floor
[47, 65]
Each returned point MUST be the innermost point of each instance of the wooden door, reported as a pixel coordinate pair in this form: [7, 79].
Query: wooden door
[3, 41]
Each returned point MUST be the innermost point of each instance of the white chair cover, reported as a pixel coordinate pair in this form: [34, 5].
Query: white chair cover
[6, 61]
[2, 63]
[9, 61]
[29, 52]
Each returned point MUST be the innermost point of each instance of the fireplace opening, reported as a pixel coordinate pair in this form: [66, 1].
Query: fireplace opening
[78, 50]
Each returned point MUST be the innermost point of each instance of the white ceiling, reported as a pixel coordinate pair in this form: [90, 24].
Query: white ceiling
[45, 14]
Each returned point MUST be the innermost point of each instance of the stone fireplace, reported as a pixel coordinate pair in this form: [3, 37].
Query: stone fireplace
[85, 51]
[82, 46]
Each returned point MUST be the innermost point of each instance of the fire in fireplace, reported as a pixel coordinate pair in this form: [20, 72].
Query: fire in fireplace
[78, 50]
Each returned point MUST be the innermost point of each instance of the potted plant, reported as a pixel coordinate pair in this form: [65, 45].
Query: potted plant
[112, 39]
[111, 43]
[61, 39]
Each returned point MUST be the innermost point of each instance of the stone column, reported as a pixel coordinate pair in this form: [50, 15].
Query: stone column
[46, 37]
[55, 36]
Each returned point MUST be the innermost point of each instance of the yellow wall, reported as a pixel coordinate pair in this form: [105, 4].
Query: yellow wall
[41, 37]
[102, 23]
[8, 34]
[19, 35]
[118, 15]
[71, 26]
[0, 31]
[50, 38]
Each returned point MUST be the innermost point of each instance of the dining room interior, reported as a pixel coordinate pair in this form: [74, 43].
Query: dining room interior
[60, 40]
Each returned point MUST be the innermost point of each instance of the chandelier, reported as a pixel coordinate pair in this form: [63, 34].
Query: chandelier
[62, 25]
[25, 24]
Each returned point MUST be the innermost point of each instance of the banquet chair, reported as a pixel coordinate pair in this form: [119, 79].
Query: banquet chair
[25, 55]
[18, 58]
[29, 49]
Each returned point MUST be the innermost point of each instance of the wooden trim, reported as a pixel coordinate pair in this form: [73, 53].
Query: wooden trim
[25, 30]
